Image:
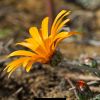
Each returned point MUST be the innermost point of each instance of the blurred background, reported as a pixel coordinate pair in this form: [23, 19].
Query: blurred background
[16, 16]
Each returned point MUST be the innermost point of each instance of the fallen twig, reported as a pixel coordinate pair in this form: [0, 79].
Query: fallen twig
[18, 91]
[77, 76]
[72, 85]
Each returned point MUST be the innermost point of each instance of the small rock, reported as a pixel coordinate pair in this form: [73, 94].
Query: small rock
[89, 4]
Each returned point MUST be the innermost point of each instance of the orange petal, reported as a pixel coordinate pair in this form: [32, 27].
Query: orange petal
[35, 35]
[44, 28]
[39, 50]
[12, 66]
[12, 71]
[15, 63]
[61, 36]
[32, 47]
[33, 42]
[60, 21]
[62, 24]
[29, 65]
[48, 43]
[26, 62]
[32, 60]
[37, 38]
[21, 53]
[56, 19]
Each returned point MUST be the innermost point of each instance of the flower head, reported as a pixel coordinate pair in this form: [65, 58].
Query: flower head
[41, 44]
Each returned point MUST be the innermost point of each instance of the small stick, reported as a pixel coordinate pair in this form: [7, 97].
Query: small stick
[72, 85]
[18, 91]
[81, 77]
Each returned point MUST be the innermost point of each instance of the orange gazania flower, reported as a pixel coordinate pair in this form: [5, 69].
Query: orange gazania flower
[42, 45]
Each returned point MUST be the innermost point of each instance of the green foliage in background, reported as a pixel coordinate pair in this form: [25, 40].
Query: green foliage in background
[5, 32]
